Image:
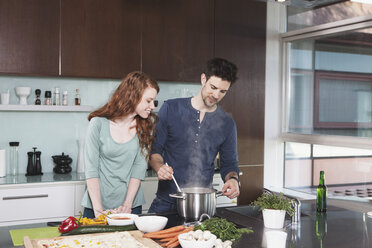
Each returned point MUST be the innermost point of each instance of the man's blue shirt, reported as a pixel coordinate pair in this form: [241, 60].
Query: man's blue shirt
[191, 146]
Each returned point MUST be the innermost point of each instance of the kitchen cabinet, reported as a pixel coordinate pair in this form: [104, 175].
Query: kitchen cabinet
[29, 31]
[100, 39]
[240, 36]
[149, 188]
[26, 203]
[177, 38]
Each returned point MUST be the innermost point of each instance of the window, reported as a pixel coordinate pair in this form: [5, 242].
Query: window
[327, 117]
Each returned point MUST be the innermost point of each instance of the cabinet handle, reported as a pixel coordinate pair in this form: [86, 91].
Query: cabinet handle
[24, 197]
[215, 184]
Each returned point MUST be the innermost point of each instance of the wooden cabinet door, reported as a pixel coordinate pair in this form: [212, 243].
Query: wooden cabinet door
[177, 38]
[100, 38]
[240, 36]
[29, 37]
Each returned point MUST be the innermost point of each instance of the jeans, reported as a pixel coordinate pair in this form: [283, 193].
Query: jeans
[89, 213]
[159, 205]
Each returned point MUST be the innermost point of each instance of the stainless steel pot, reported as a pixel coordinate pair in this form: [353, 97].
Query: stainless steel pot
[195, 201]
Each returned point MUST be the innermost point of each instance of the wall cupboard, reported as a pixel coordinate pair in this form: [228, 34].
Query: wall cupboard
[29, 34]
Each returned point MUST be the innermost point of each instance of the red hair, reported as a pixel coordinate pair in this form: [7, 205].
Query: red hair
[124, 102]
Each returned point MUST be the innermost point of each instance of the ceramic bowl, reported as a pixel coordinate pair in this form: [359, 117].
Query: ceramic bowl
[151, 223]
[121, 219]
[196, 243]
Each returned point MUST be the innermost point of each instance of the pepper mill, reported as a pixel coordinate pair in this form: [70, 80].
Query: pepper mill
[34, 163]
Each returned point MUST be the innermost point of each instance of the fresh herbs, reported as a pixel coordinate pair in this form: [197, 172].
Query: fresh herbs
[222, 228]
[272, 201]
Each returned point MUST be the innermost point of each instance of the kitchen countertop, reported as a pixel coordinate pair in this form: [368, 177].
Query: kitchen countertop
[344, 228]
[51, 177]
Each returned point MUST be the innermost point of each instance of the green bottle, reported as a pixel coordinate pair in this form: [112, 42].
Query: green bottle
[321, 227]
[321, 194]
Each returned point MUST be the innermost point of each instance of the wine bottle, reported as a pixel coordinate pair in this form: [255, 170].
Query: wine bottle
[321, 194]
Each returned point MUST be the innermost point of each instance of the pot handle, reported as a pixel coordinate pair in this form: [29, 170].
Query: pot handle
[177, 196]
[219, 193]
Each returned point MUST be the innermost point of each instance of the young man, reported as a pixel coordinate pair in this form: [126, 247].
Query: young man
[190, 133]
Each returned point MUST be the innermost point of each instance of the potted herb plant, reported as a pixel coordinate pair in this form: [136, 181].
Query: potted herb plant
[274, 208]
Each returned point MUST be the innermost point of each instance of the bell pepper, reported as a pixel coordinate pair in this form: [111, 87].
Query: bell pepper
[68, 224]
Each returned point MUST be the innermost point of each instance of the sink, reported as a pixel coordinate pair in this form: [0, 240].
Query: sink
[253, 211]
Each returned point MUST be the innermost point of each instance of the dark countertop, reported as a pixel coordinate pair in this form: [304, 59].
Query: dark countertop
[344, 228]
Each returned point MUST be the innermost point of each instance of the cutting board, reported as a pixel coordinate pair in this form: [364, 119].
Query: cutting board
[32, 243]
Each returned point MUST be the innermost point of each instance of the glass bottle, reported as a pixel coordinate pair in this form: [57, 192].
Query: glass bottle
[57, 99]
[64, 98]
[48, 97]
[321, 194]
[321, 227]
[77, 97]
[13, 158]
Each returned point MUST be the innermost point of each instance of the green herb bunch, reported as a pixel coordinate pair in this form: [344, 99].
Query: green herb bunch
[222, 228]
[272, 201]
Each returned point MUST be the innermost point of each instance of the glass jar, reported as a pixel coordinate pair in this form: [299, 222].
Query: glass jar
[13, 158]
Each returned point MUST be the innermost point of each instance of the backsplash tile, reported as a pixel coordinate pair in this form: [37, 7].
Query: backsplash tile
[56, 132]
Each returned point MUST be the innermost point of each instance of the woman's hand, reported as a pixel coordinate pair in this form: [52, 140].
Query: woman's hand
[125, 208]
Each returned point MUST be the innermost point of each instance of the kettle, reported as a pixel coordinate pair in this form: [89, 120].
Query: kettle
[62, 164]
[34, 163]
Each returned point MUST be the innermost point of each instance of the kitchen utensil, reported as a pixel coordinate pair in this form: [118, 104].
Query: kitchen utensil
[174, 179]
[195, 201]
[62, 164]
[34, 163]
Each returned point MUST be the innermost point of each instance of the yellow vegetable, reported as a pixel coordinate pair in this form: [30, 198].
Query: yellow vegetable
[101, 220]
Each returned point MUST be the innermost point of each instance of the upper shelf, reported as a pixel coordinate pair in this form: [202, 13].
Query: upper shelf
[47, 108]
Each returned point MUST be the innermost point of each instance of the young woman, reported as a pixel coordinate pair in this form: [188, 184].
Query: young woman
[117, 147]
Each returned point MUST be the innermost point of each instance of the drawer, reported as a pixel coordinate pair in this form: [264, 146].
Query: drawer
[36, 203]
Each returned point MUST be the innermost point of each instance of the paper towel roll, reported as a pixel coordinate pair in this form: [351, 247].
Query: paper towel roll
[2, 163]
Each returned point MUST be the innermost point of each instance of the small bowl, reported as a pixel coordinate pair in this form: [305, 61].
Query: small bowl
[121, 219]
[196, 244]
[151, 223]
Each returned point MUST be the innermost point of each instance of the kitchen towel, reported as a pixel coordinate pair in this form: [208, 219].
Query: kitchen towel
[2, 163]
[33, 233]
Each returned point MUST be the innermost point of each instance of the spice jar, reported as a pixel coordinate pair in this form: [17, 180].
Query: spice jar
[64, 98]
[57, 99]
[48, 98]
[77, 97]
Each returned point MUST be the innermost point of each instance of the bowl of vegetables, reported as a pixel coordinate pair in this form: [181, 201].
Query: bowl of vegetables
[197, 239]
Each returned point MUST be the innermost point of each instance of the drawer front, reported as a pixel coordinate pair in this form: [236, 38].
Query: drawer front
[222, 201]
[36, 203]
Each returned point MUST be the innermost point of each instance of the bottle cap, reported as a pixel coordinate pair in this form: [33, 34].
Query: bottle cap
[14, 143]
[77, 90]
[65, 92]
[48, 94]
[56, 90]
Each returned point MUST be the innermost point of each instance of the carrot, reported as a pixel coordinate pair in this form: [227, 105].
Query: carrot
[165, 239]
[175, 244]
[174, 239]
[169, 230]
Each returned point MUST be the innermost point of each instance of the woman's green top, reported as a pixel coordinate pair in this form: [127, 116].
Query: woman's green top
[113, 163]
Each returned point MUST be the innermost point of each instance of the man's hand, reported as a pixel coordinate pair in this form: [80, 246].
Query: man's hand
[165, 172]
[231, 188]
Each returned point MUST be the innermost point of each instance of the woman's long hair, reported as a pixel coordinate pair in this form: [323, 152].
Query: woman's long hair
[124, 102]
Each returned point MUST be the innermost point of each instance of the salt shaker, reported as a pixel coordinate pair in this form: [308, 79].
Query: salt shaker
[57, 100]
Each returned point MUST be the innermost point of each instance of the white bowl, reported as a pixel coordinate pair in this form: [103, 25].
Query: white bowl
[196, 243]
[121, 219]
[151, 223]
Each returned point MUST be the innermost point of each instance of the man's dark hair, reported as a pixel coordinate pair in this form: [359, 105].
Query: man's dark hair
[221, 68]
